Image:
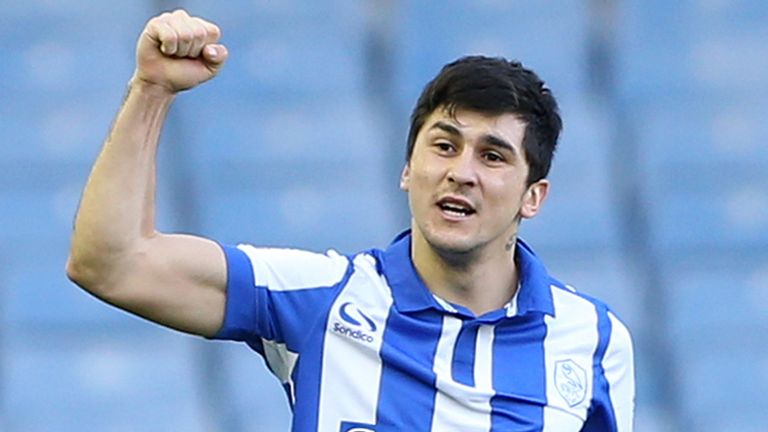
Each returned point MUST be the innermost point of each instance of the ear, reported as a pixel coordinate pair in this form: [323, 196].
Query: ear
[405, 177]
[534, 198]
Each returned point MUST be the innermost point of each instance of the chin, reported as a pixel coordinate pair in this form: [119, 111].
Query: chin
[451, 244]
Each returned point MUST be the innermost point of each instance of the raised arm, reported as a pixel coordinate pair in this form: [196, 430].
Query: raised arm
[116, 254]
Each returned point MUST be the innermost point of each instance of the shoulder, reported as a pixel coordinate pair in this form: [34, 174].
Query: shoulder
[567, 291]
[290, 269]
[582, 309]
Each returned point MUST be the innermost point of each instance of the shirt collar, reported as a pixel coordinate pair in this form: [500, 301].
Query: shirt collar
[535, 294]
[410, 294]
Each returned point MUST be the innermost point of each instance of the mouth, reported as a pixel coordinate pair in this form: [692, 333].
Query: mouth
[456, 207]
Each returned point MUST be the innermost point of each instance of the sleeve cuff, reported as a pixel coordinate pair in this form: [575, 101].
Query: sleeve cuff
[239, 320]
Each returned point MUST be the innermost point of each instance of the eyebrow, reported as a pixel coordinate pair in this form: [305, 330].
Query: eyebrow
[500, 143]
[446, 127]
[489, 139]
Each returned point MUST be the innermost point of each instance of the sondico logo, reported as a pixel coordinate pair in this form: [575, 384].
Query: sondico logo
[357, 323]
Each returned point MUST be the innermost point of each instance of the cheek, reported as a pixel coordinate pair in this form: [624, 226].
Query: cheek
[508, 192]
[418, 186]
[423, 174]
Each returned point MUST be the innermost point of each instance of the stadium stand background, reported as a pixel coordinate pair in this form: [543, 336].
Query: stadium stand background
[659, 201]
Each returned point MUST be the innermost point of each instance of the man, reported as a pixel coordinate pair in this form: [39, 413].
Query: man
[456, 326]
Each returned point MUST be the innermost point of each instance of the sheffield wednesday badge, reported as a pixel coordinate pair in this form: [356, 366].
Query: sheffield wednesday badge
[571, 382]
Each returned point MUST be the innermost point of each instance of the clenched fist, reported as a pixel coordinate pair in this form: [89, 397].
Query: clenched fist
[177, 51]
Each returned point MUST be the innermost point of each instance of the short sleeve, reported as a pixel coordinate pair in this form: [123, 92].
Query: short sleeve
[614, 409]
[619, 369]
[274, 294]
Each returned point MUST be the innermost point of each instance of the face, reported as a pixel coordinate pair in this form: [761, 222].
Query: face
[466, 182]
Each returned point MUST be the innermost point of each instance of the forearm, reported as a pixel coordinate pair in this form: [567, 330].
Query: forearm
[117, 209]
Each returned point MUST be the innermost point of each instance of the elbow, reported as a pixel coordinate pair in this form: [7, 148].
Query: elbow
[101, 273]
[89, 276]
[79, 273]
[104, 272]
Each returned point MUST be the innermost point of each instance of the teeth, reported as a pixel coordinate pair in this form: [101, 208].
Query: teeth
[455, 209]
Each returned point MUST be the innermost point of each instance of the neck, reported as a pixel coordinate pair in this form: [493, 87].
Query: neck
[481, 281]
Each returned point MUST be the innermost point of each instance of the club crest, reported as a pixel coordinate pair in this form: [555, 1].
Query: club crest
[571, 382]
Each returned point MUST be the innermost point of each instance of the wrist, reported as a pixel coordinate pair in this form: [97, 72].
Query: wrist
[151, 89]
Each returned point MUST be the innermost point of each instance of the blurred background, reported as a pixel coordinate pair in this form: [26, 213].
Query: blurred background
[659, 202]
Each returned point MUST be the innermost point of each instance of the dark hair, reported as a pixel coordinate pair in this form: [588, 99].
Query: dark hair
[495, 86]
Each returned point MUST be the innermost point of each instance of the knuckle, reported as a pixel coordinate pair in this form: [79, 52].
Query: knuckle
[186, 37]
[152, 27]
[200, 33]
[170, 42]
[167, 35]
[155, 23]
[214, 31]
[201, 28]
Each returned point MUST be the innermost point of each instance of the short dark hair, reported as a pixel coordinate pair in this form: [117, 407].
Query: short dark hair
[495, 85]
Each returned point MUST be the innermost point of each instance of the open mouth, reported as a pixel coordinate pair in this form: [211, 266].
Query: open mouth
[455, 208]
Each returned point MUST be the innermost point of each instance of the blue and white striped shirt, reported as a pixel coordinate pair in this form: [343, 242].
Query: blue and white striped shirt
[360, 344]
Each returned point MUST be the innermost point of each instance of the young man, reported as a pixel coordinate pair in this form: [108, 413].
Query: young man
[456, 326]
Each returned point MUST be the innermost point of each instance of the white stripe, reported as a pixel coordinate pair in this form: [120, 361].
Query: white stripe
[277, 268]
[618, 364]
[445, 346]
[569, 348]
[459, 407]
[484, 359]
[349, 388]
[557, 420]
[447, 306]
[512, 305]
[281, 362]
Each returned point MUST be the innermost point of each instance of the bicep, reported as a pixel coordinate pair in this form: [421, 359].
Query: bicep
[178, 281]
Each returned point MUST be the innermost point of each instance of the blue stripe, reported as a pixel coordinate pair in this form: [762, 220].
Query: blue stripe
[293, 316]
[239, 315]
[463, 365]
[407, 391]
[601, 417]
[519, 374]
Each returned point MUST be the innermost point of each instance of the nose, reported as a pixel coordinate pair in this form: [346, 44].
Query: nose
[462, 170]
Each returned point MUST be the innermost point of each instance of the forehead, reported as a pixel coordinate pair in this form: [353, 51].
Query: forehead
[474, 124]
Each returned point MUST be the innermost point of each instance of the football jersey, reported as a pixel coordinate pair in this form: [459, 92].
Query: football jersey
[360, 344]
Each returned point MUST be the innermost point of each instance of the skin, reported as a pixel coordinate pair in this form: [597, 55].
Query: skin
[478, 160]
[116, 253]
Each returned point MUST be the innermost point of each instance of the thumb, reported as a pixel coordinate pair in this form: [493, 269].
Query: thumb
[215, 55]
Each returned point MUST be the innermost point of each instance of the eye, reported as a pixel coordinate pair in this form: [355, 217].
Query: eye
[444, 146]
[493, 157]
